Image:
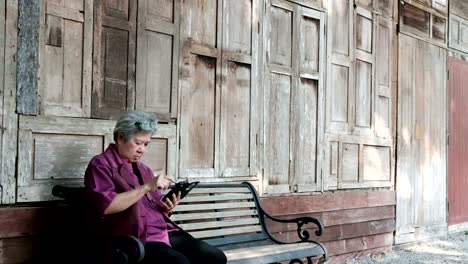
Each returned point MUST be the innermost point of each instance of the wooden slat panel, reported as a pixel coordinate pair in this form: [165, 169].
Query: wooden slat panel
[220, 224]
[197, 216]
[226, 231]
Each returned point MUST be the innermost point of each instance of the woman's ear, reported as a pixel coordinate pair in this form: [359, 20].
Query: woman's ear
[120, 138]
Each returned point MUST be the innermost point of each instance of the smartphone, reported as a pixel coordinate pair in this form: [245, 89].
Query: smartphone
[183, 187]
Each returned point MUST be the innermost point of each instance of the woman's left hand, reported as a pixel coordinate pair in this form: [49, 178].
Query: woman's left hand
[171, 203]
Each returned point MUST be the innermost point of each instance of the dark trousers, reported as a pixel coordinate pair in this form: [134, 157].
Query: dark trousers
[185, 250]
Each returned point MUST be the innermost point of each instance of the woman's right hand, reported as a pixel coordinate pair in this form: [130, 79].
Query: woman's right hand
[160, 182]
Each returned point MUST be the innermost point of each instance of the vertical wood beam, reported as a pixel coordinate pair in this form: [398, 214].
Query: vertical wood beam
[10, 124]
[28, 59]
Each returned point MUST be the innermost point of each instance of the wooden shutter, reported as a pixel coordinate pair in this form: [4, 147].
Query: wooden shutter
[157, 57]
[293, 97]
[218, 88]
[458, 34]
[114, 57]
[340, 67]
[358, 151]
[239, 90]
[362, 99]
[383, 76]
[65, 57]
[423, 21]
[459, 8]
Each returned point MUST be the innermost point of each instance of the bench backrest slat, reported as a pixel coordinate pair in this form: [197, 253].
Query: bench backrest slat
[223, 223]
[222, 212]
[226, 231]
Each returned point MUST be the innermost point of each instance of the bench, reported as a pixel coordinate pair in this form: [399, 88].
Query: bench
[231, 217]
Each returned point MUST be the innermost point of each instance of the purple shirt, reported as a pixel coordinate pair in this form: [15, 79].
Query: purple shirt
[108, 175]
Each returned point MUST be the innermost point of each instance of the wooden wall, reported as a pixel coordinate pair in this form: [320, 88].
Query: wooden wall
[356, 224]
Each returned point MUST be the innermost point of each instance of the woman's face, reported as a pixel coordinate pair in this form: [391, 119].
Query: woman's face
[134, 148]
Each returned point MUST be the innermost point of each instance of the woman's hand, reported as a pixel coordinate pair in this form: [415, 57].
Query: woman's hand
[160, 182]
[171, 203]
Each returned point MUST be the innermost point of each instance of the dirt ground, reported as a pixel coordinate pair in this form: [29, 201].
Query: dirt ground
[452, 249]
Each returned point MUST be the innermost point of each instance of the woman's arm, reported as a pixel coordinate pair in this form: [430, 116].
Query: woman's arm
[126, 199]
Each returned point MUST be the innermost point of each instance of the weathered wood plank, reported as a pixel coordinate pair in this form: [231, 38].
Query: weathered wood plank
[2, 76]
[28, 221]
[10, 118]
[338, 232]
[27, 59]
[327, 202]
[338, 259]
[359, 244]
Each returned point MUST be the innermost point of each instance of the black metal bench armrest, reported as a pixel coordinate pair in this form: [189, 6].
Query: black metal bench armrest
[303, 234]
[127, 249]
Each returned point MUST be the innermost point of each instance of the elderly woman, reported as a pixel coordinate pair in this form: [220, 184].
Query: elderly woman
[127, 196]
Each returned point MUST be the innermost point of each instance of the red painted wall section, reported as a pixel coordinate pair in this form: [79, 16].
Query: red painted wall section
[356, 223]
[458, 141]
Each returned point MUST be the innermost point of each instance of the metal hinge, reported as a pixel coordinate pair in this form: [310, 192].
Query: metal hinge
[448, 139]
[448, 75]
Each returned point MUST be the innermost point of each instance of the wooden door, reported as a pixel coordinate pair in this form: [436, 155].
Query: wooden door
[421, 166]
[293, 81]
[457, 151]
[218, 89]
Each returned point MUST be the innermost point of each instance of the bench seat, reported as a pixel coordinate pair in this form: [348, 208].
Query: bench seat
[272, 253]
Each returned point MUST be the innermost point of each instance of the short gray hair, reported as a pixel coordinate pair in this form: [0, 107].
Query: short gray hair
[134, 121]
